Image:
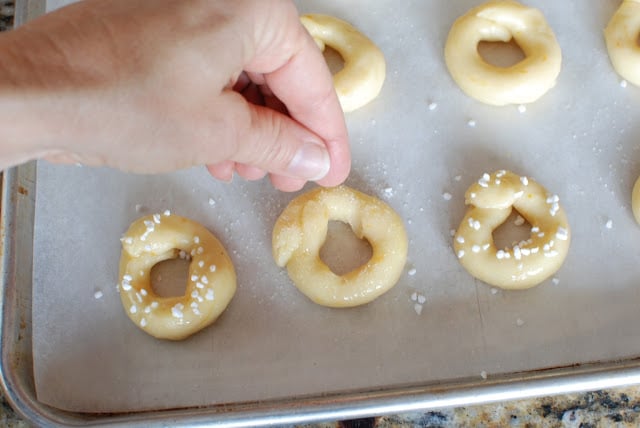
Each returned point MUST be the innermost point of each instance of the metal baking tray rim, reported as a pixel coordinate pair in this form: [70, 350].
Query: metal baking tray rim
[16, 367]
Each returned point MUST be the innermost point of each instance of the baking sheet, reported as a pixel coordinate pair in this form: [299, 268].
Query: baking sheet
[580, 141]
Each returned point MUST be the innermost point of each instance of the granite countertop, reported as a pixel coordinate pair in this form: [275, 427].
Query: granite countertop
[6, 14]
[619, 407]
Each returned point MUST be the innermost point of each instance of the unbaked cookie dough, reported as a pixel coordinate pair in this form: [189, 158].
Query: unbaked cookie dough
[621, 36]
[529, 262]
[501, 21]
[301, 230]
[363, 74]
[635, 200]
[210, 285]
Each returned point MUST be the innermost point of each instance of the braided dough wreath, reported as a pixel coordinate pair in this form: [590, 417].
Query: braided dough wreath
[501, 21]
[301, 230]
[210, 286]
[621, 36]
[528, 263]
[362, 76]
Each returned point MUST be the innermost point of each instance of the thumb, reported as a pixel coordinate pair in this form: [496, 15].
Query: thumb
[272, 141]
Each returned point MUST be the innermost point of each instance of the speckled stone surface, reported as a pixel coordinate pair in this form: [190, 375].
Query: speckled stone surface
[6, 14]
[616, 408]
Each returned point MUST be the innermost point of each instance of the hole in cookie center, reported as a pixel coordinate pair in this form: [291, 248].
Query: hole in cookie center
[501, 54]
[343, 251]
[514, 230]
[169, 277]
[334, 59]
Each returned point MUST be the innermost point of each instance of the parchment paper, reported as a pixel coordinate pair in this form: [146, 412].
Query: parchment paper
[580, 141]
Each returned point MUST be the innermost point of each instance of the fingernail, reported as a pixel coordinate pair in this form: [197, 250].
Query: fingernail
[312, 162]
[227, 178]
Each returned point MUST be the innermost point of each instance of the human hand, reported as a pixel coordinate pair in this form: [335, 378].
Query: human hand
[157, 85]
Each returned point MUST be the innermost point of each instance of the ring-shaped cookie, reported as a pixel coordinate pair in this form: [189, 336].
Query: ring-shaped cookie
[501, 21]
[210, 285]
[621, 36]
[362, 76]
[528, 263]
[635, 200]
[301, 230]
